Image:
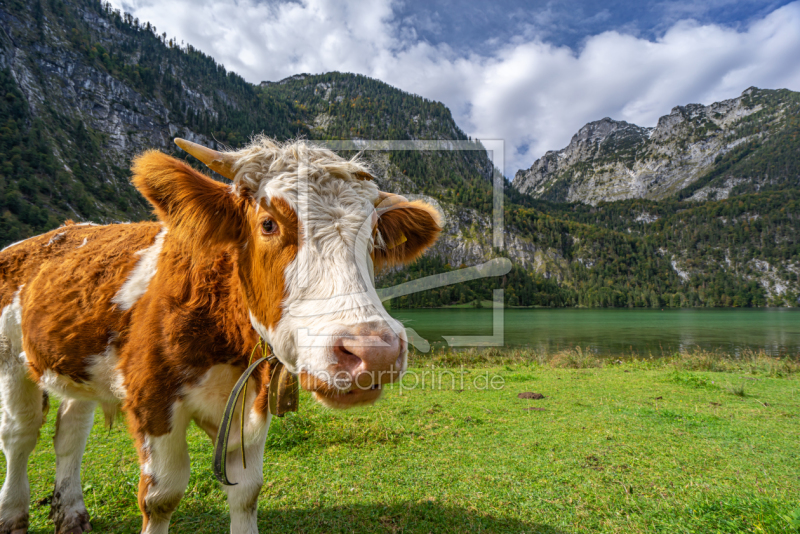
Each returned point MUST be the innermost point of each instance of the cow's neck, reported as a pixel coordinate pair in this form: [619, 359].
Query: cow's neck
[211, 305]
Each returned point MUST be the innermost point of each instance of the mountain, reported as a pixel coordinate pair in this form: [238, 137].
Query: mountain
[745, 144]
[85, 88]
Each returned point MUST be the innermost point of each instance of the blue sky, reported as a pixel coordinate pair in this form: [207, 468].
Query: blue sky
[480, 26]
[530, 73]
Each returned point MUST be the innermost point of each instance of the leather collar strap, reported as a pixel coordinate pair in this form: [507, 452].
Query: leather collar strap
[284, 396]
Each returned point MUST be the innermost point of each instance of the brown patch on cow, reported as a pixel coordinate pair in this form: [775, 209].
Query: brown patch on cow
[265, 259]
[193, 317]
[67, 313]
[145, 482]
[21, 262]
[530, 395]
[261, 404]
[197, 313]
[407, 229]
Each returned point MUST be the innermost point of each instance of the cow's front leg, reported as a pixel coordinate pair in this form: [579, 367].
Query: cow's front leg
[243, 497]
[165, 469]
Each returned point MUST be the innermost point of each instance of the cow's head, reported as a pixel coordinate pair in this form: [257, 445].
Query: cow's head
[307, 227]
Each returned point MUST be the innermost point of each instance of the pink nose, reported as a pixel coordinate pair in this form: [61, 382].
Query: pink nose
[371, 358]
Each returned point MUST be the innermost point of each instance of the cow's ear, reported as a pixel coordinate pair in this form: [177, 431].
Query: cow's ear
[405, 230]
[202, 212]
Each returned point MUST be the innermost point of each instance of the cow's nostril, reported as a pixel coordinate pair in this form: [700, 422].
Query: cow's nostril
[346, 359]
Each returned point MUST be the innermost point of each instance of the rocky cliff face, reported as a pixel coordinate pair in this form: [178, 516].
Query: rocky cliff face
[612, 160]
[55, 77]
[79, 94]
[592, 142]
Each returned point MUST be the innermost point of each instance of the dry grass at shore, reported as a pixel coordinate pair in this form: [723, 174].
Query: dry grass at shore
[749, 361]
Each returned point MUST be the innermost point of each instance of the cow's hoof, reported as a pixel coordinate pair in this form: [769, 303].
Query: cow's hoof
[15, 526]
[77, 529]
[74, 523]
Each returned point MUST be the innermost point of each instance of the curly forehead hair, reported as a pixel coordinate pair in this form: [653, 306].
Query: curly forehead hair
[265, 159]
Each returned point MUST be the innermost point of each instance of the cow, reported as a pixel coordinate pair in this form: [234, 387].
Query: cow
[160, 319]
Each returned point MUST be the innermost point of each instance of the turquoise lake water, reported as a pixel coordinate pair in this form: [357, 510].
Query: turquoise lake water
[615, 331]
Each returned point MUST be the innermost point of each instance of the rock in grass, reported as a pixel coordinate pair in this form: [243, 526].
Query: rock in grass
[530, 395]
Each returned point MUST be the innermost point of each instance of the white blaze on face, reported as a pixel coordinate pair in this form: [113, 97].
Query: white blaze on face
[329, 287]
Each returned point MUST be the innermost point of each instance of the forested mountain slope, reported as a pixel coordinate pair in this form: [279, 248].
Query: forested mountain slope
[84, 89]
[87, 88]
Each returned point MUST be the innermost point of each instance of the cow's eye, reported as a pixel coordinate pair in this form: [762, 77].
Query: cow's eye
[268, 227]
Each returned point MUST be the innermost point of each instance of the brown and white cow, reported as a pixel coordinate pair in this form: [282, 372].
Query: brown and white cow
[160, 318]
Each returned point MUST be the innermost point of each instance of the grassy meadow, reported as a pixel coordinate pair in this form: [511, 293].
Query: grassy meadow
[695, 443]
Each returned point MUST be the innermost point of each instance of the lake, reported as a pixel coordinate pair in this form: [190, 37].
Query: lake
[619, 331]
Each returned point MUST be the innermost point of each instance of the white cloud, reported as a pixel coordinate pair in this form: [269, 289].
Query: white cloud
[530, 93]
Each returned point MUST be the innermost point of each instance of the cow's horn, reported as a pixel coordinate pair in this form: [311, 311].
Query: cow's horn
[386, 201]
[218, 162]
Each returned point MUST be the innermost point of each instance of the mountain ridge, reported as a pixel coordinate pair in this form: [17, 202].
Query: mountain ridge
[686, 146]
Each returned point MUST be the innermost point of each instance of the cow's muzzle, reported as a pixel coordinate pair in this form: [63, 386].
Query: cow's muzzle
[365, 361]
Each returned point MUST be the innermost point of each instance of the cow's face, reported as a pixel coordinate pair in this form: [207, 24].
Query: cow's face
[314, 225]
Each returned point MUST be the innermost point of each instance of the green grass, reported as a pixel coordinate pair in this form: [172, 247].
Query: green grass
[638, 446]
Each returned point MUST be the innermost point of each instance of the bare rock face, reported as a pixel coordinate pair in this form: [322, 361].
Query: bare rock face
[53, 74]
[63, 87]
[590, 143]
[613, 160]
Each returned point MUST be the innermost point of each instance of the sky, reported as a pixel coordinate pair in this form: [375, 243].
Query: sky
[529, 73]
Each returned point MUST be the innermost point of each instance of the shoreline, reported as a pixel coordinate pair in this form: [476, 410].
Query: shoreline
[750, 361]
